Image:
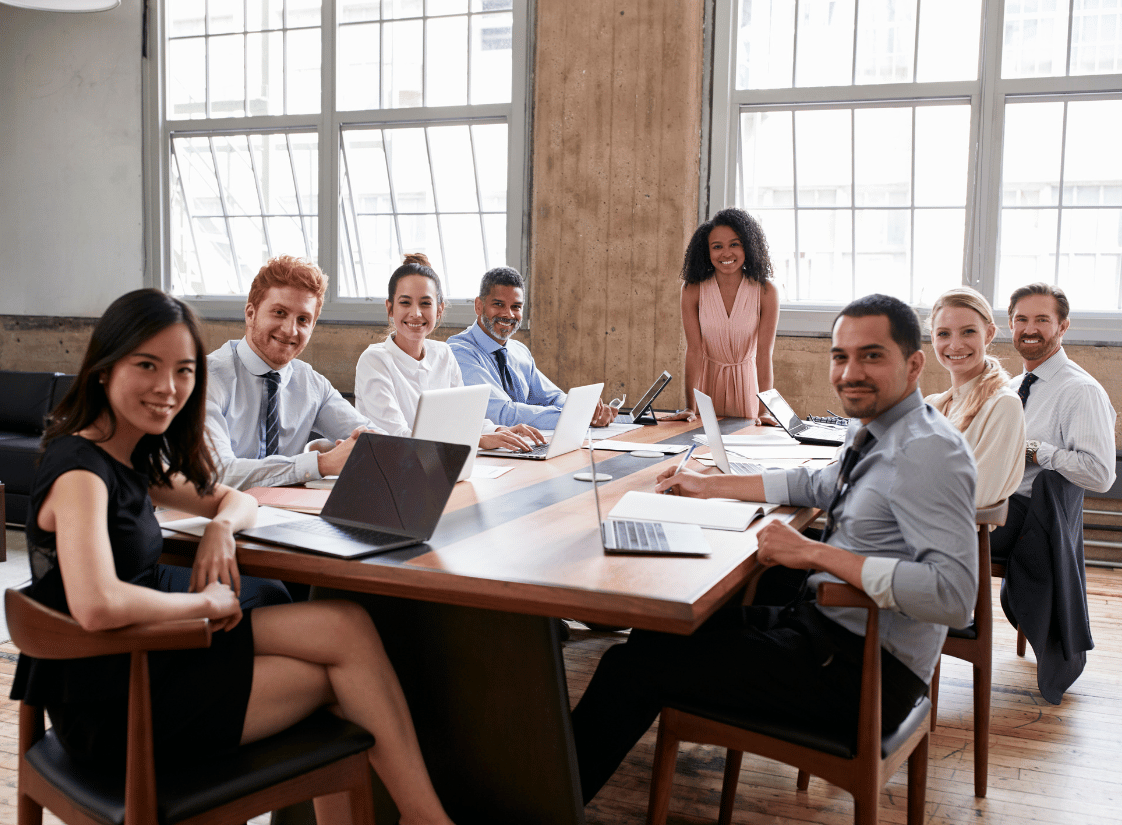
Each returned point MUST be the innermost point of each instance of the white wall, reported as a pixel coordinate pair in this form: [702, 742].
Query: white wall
[71, 198]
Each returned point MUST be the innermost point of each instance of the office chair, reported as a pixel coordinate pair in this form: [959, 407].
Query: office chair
[860, 763]
[320, 755]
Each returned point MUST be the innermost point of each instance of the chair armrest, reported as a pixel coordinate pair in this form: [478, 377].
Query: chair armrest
[995, 514]
[44, 633]
[840, 594]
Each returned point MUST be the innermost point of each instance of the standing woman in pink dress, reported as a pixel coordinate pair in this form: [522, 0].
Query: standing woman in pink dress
[730, 311]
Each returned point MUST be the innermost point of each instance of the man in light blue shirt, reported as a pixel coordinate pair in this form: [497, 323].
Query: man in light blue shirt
[487, 354]
[281, 311]
[900, 527]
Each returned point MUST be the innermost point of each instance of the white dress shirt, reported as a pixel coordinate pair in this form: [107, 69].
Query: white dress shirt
[389, 383]
[997, 437]
[1069, 413]
[235, 418]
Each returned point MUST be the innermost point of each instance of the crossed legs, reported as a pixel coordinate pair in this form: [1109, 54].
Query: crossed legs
[312, 654]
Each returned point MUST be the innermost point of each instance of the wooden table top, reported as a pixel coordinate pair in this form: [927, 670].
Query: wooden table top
[527, 542]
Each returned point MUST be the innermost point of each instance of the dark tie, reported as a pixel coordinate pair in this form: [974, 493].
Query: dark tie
[861, 442]
[272, 419]
[1026, 385]
[509, 384]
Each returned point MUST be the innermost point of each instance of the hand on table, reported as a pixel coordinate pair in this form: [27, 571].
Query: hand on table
[604, 414]
[679, 415]
[684, 483]
[216, 560]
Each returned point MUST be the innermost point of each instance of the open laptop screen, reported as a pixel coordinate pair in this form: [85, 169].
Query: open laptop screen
[781, 410]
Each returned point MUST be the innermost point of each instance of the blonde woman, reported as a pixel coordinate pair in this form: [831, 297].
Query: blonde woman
[979, 402]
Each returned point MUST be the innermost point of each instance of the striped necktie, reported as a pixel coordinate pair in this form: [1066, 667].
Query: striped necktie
[272, 417]
[1026, 386]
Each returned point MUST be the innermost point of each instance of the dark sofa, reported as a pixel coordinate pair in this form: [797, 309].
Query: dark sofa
[25, 400]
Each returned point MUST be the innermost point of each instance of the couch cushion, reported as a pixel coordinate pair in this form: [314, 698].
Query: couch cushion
[27, 400]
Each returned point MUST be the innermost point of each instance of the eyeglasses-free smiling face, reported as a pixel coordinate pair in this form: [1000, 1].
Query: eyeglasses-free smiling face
[500, 313]
[149, 386]
[281, 325]
[868, 369]
[726, 251]
[415, 311]
[959, 336]
[1037, 329]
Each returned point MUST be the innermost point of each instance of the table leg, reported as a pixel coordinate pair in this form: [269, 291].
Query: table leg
[489, 700]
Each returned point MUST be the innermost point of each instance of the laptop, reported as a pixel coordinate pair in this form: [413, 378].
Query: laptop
[455, 416]
[568, 434]
[642, 412]
[645, 538]
[391, 493]
[717, 442]
[805, 432]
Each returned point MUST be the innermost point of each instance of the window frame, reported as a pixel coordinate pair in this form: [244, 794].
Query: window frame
[329, 125]
[988, 96]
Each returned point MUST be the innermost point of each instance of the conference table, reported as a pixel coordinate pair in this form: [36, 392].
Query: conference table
[466, 617]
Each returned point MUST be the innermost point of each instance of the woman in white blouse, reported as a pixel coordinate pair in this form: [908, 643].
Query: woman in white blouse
[979, 402]
[391, 374]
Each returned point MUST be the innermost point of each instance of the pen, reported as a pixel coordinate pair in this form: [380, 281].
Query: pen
[682, 464]
[834, 414]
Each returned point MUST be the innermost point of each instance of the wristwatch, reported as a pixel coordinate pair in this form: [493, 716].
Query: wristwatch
[1030, 451]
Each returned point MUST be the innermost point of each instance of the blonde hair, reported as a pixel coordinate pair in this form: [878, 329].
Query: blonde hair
[993, 378]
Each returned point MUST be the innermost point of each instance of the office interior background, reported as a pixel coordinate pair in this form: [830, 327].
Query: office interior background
[884, 145]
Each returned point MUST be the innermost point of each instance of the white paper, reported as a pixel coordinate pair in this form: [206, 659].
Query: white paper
[800, 451]
[712, 513]
[489, 471]
[770, 438]
[196, 525]
[613, 429]
[630, 446]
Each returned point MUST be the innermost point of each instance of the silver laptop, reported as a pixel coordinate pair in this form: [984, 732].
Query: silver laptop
[568, 434]
[645, 538]
[806, 432]
[717, 442]
[391, 493]
[455, 416]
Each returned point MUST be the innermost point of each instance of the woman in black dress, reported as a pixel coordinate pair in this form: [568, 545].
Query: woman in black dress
[128, 435]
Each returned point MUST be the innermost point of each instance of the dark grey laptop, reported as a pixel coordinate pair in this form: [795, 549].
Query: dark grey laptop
[805, 432]
[391, 493]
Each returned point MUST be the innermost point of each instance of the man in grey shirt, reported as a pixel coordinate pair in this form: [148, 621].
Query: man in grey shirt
[900, 527]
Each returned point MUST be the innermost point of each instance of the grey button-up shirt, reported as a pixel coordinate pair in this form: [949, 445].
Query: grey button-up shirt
[910, 511]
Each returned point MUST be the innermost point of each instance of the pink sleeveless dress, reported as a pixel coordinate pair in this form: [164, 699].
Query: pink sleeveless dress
[728, 373]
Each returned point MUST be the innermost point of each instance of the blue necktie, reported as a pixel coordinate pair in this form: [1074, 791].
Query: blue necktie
[1026, 385]
[861, 442]
[272, 418]
[512, 387]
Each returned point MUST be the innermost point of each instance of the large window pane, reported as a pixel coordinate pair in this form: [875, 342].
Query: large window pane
[942, 161]
[882, 152]
[1035, 39]
[949, 40]
[1030, 170]
[823, 158]
[765, 177]
[765, 44]
[886, 38]
[1090, 269]
[1096, 37]
[824, 47]
[1027, 251]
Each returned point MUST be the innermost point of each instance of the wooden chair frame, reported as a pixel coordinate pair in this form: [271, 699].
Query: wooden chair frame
[43, 633]
[979, 649]
[863, 776]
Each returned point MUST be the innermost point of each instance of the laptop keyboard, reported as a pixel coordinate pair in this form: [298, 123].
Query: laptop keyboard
[322, 527]
[835, 433]
[639, 535]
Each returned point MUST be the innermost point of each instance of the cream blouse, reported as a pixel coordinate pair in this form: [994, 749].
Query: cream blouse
[997, 437]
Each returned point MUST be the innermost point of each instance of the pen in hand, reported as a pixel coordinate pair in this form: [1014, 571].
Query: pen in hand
[681, 464]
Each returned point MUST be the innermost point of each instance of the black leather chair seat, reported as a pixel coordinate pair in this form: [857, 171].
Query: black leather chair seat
[185, 792]
[970, 632]
[835, 742]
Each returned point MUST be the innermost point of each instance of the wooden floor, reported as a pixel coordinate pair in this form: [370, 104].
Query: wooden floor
[1048, 764]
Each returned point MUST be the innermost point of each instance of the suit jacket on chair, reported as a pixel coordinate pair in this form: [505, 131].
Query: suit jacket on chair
[1045, 587]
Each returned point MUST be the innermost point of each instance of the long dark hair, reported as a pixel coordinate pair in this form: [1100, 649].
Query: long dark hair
[698, 266]
[128, 322]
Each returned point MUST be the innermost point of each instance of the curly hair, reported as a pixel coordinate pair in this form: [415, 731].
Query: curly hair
[127, 324]
[288, 271]
[993, 378]
[698, 267]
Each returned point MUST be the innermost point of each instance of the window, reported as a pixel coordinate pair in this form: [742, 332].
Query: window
[348, 131]
[891, 146]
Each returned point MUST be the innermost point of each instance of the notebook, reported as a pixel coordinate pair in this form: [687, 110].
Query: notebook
[804, 431]
[569, 432]
[455, 416]
[716, 440]
[646, 538]
[642, 412]
[711, 513]
[391, 493]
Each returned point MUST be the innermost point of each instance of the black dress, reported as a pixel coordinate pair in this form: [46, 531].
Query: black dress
[199, 697]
